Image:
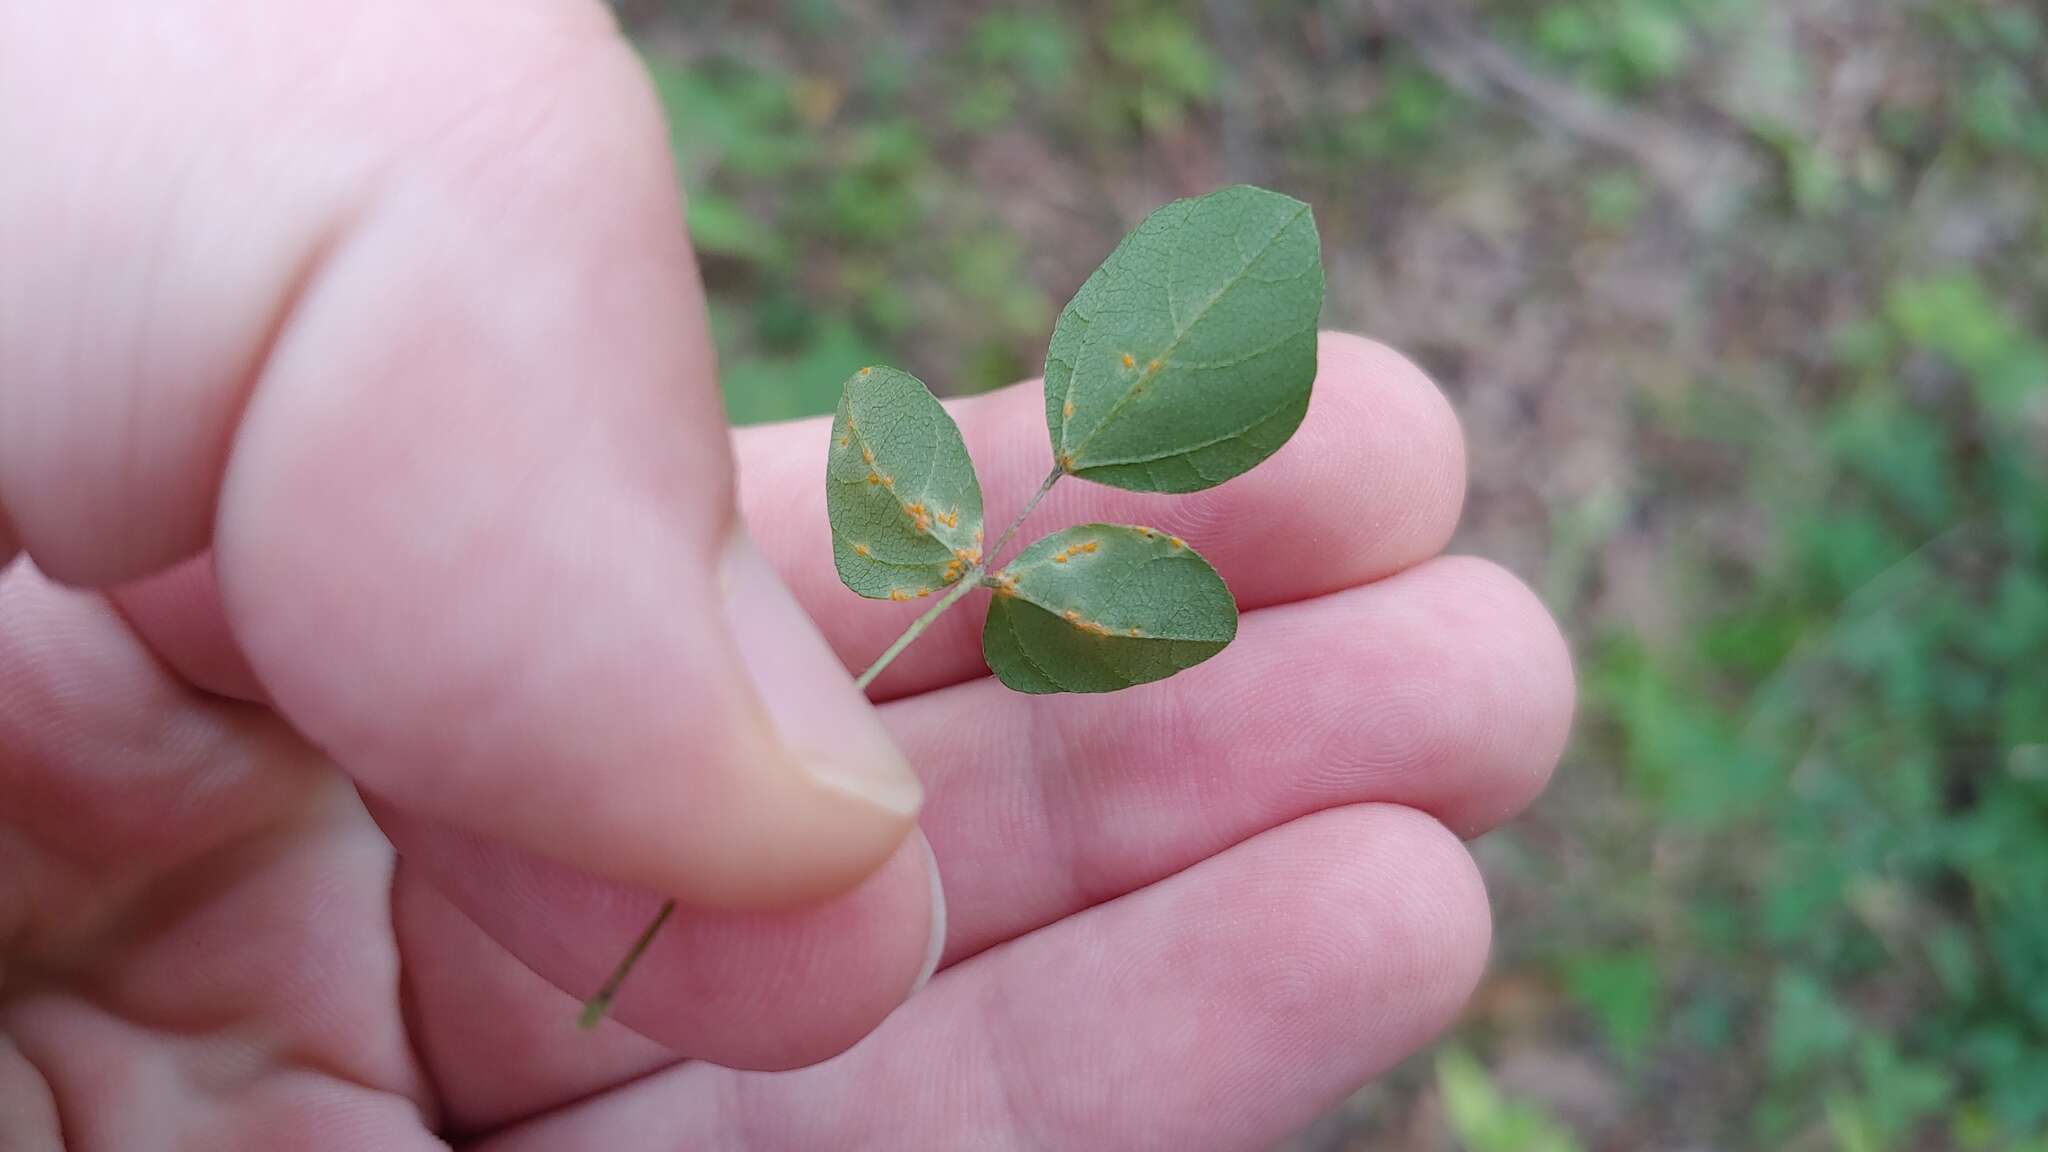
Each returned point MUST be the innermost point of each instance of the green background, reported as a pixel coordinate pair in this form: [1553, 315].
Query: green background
[1741, 304]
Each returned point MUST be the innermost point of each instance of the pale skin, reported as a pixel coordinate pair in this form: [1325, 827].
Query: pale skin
[387, 644]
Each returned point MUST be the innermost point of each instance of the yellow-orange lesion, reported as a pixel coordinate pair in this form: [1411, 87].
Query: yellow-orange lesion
[1082, 623]
[1080, 549]
[963, 559]
[861, 550]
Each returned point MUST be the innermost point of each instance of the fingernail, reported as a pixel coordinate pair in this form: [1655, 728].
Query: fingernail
[827, 726]
[936, 946]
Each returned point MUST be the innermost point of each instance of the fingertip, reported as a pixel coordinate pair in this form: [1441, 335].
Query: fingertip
[1427, 910]
[1391, 444]
[1528, 662]
[178, 614]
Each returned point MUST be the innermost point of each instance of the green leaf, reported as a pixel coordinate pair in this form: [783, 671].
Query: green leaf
[1188, 356]
[900, 490]
[1101, 607]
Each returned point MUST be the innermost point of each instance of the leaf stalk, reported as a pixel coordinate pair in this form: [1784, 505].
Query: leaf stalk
[595, 1008]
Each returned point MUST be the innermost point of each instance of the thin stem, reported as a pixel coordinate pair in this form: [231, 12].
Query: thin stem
[595, 1008]
[1051, 480]
[961, 588]
[967, 583]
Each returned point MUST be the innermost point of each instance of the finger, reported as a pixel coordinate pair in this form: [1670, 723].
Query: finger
[141, 946]
[177, 612]
[493, 1032]
[1371, 484]
[1219, 1009]
[123, 793]
[1447, 688]
[750, 989]
[705, 989]
[430, 375]
[1444, 687]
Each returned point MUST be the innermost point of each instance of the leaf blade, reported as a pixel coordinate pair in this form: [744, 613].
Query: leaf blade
[900, 489]
[1103, 607]
[1192, 348]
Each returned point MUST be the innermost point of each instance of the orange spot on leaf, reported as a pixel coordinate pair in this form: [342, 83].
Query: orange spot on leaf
[1130, 361]
[860, 550]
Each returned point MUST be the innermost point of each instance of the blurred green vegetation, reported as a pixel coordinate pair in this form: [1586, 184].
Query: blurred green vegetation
[1792, 887]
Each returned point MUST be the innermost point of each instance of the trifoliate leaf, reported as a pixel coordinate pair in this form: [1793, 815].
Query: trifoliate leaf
[1188, 356]
[1102, 607]
[900, 490]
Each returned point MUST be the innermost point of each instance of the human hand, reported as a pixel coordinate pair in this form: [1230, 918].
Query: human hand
[386, 311]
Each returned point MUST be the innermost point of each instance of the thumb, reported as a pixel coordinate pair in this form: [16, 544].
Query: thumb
[429, 372]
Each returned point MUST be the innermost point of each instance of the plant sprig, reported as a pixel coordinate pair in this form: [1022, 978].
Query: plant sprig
[1186, 359]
